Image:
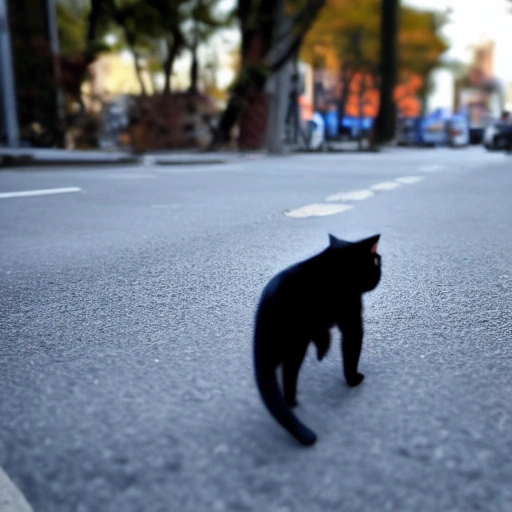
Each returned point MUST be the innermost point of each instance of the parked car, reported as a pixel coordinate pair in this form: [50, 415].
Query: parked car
[437, 129]
[408, 131]
[498, 136]
[458, 131]
[433, 130]
[355, 127]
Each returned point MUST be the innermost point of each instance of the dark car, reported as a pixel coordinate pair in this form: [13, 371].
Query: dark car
[498, 136]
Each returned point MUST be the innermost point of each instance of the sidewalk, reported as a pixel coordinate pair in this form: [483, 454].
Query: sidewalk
[19, 157]
[191, 157]
[11, 499]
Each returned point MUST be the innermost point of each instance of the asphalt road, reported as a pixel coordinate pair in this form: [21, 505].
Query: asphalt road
[126, 321]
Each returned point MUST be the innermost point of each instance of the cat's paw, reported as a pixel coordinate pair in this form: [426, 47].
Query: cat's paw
[355, 380]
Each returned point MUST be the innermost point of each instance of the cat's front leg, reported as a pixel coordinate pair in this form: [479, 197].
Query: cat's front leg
[352, 342]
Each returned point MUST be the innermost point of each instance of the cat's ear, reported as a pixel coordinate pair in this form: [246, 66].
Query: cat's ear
[333, 241]
[371, 243]
[338, 243]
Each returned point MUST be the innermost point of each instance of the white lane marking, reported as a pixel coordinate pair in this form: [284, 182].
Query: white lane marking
[408, 180]
[355, 195]
[431, 168]
[321, 209]
[317, 210]
[45, 192]
[11, 498]
[385, 185]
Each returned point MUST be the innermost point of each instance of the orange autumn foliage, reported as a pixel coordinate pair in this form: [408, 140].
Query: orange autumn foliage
[344, 40]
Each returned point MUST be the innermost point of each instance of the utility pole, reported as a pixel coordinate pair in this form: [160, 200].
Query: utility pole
[384, 128]
[7, 89]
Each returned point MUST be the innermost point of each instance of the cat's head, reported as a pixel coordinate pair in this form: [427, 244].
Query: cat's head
[362, 258]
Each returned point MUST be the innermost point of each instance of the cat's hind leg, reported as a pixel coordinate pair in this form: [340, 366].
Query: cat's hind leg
[291, 366]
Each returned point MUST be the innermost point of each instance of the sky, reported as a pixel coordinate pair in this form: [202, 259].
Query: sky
[473, 21]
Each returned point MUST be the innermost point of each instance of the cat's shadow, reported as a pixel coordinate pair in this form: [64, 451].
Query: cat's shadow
[327, 398]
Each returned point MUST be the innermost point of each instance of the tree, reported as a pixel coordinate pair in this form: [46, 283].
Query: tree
[82, 25]
[265, 47]
[140, 24]
[345, 39]
[201, 21]
[170, 18]
[420, 46]
[177, 24]
[72, 26]
[383, 129]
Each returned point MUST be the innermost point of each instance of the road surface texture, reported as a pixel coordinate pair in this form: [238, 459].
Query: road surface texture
[127, 301]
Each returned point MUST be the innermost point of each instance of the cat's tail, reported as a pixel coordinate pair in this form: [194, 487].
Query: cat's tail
[266, 380]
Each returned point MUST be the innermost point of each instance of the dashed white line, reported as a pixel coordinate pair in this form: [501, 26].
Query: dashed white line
[317, 210]
[322, 209]
[45, 192]
[385, 185]
[355, 195]
[409, 180]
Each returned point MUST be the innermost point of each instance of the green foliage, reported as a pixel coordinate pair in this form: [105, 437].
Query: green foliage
[158, 30]
[420, 44]
[72, 27]
[349, 32]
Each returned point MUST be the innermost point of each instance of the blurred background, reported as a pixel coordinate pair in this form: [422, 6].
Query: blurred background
[147, 75]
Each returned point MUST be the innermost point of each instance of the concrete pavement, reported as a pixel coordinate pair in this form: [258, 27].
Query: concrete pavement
[125, 356]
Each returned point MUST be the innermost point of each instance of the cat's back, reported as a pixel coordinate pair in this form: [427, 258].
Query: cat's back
[281, 284]
[291, 286]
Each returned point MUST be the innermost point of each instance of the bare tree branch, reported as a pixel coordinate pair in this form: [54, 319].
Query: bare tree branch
[287, 44]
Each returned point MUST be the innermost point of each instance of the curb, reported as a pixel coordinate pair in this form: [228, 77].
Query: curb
[25, 157]
[11, 499]
[36, 157]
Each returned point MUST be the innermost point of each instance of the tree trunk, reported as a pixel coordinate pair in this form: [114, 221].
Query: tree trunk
[194, 67]
[98, 7]
[172, 53]
[228, 120]
[258, 60]
[138, 71]
[247, 89]
[253, 122]
[384, 126]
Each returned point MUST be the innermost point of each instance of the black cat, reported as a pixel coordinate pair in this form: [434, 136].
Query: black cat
[298, 306]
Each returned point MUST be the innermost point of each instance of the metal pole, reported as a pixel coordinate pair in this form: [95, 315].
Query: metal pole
[53, 36]
[7, 89]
